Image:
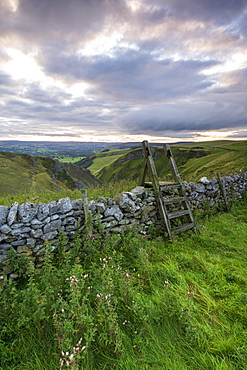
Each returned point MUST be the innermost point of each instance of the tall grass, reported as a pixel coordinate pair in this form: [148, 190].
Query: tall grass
[133, 302]
[107, 191]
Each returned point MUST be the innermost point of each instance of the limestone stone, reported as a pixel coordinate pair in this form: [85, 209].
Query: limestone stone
[43, 211]
[18, 242]
[127, 204]
[49, 235]
[5, 229]
[20, 231]
[47, 220]
[23, 249]
[37, 248]
[53, 207]
[4, 210]
[17, 225]
[114, 211]
[69, 221]
[31, 242]
[100, 207]
[109, 224]
[27, 211]
[54, 217]
[3, 237]
[64, 205]
[12, 213]
[70, 213]
[204, 180]
[52, 226]
[77, 204]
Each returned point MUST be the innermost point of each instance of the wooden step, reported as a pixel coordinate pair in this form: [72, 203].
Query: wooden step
[173, 185]
[182, 228]
[179, 213]
[174, 200]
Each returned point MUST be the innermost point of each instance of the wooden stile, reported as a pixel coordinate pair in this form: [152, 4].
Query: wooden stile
[163, 204]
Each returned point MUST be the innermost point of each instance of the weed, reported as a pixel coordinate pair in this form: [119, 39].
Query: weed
[131, 302]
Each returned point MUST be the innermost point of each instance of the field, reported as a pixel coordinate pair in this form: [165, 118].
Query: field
[133, 302]
[194, 160]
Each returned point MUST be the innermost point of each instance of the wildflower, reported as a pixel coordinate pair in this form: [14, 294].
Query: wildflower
[166, 283]
[191, 294]
[126, 322]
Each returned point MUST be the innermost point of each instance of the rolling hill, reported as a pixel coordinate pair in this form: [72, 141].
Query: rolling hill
[194, 160]
[23, 173]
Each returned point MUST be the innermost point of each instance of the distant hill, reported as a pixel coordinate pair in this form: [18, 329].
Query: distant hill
[22, 173]
[194, 160]
[60, 149]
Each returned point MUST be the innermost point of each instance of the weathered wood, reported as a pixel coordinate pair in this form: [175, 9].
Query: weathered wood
[85, 203]
[149, 167]
[223, 192]
[143, 173]
[154, 177]
[173, 166]
[163, 183]
[173, 200]
[182, 228]
[178, 213]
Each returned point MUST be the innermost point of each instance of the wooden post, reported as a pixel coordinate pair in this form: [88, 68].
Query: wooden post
[85, 203]
[223, 191]
[172, 163]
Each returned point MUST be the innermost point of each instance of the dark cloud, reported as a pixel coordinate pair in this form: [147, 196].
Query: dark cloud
[203, 116]
[220, 11]
[133, 75]
[49, 20]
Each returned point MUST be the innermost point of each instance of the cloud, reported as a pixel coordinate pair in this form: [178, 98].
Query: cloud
[46, 20]
[193, 117]
[219, 11]
[145, 67]
[132, 75]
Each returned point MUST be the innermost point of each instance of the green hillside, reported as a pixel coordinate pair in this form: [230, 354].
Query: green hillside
[99, 160]
[194, 160]
[129, 302]
[23, 173]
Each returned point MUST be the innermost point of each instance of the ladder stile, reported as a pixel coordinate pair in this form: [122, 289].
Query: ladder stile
[164, 204]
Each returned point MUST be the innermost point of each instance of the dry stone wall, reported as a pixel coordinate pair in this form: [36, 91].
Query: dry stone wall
[24, 228]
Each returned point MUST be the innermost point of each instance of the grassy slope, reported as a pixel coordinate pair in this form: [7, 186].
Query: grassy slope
[169, 306]
[194, 160]
[23, 173]
[103, 159]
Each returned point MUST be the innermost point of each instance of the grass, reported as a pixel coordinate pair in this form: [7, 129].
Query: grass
[137, 302]
[193, 160]
[68, 159]
[93, 193]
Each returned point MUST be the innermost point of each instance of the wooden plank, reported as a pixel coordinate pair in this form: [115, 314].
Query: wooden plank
[171, 185]
[179, 213]
[172, 163]
[143, 173]
[174, 200]
[182, 228]
[85, 203]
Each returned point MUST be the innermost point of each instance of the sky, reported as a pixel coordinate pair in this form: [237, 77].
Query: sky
[123, 70]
